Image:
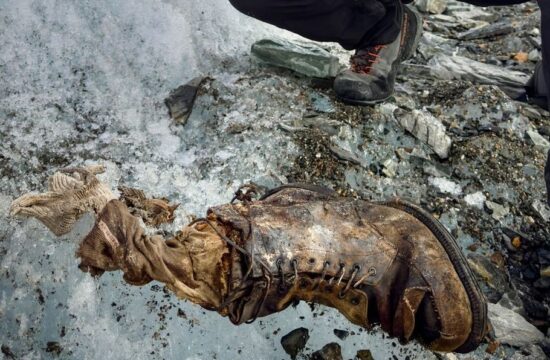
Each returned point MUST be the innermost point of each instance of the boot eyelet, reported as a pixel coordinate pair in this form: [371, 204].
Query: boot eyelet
[372, 271]
[294, 262]
[327, 263]
[329, 288]
[341, 295]
[279, 262]
[355, 301]
[311, 261]
[303, 284]
[356, 267]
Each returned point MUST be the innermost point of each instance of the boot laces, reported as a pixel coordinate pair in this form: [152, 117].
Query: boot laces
[365, 59]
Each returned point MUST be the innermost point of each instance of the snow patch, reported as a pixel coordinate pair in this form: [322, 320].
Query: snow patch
[445, 185]
[476, 200]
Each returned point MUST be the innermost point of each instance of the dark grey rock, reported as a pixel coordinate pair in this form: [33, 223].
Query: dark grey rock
[331, 351]
[487, 31]
[364, 355]
[495, 280]
[295, 341]
[180, 101]
[341, 334]
[512, 301]
[347, 155]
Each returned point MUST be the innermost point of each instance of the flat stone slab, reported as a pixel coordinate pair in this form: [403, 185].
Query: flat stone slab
[487, 31]
[461, 68]
[304, 58]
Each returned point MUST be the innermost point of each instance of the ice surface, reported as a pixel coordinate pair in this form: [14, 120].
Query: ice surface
[84, 82]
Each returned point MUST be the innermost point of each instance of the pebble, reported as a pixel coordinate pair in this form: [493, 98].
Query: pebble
[390, 168]
[295, 341]
[331, 351]
[498, 211]
[364, 355]
[341, 334]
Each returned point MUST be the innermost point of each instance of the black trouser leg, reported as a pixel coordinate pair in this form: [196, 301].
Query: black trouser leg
[545, 31]
[354, 24]
[547, 177]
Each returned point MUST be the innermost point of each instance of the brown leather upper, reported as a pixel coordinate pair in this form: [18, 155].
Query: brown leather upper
[374, 263]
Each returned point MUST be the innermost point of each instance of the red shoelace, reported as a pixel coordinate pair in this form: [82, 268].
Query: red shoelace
[365, 59]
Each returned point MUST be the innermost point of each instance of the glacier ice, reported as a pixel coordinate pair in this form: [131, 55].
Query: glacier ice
[84, 82]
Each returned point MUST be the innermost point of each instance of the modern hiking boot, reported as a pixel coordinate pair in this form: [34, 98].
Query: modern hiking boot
[371, 77]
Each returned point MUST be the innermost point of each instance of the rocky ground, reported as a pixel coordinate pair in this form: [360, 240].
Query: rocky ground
[451, 139]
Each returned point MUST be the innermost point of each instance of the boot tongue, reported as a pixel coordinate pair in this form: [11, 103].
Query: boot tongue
[364, 59]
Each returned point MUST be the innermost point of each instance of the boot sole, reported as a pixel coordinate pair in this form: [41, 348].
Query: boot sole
[478, 302]
[417, 18]
[362, 102]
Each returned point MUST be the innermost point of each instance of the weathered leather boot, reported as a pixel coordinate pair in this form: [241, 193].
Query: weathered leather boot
[378, 263]
[388, 263]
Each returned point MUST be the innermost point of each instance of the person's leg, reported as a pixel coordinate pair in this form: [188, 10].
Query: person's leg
[545, 30]
[547, 177]
[381, 31]
[354, 24]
